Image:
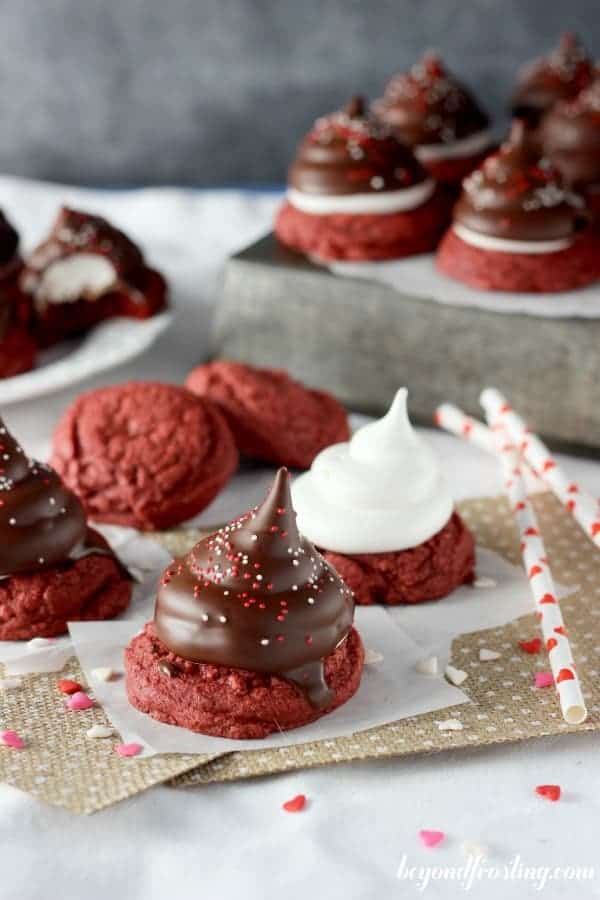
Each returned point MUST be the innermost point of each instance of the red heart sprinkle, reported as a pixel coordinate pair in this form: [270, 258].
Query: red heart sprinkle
[531, 532]
[595, 529]
[570, 505]
[573, 489]
[548, 598]
[560, 629]
[533, 646]
[535, 570]
[549, 464]
[519, 505]
[564, 675]
[551, 643]
[66, 686]
[549, 791]
[296, 804]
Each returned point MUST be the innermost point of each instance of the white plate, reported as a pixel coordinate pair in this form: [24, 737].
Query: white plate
[107, 345]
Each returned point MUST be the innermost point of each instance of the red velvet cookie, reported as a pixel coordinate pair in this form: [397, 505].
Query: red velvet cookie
[365, 237]
[144, 454]
[226, 701]
[271, 416]
[427, 572]
[39, 604]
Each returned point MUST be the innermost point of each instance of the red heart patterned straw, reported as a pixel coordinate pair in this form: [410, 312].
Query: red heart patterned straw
[537, 568]
[582, 506]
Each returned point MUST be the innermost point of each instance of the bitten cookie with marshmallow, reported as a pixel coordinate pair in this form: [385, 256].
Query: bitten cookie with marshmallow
[53, 568]
[355, 192]
[381, 512]
[252, 632]
[144, 454]
[17, 346]
[519, 227]
[272, 417]
[438, 118]
[87, 271]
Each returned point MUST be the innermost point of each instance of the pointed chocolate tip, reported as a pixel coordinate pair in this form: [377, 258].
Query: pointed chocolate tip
[355, 108]
[276, 514]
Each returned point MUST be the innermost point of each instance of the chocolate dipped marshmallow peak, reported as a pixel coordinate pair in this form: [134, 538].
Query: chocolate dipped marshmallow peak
[518, 201]
[570, 135]
[41, 522]
[434, 113]
[257, 595]
[84, 257]
[560, 75]
[350, 162]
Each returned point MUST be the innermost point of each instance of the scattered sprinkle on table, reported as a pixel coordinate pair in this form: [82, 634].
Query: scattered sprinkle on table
[39, 643]
[100, 731]
[543, 679]
[79, 701]
[455, 676]
[533, 646]
[66, 686]
[128, 749]
[11, 739]
[431, 839]
[296, 804]
[486, 655]
[372, 657]
[103, 673]
[427, 666]
[450, 725]
[551, 792]
[484, 581]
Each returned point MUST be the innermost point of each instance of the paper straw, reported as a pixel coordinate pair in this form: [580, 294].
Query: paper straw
[452, 419]
[538, 572]
[582, 506]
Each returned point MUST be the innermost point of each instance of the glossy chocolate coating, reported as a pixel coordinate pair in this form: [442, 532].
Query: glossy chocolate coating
[9, 243]
[559, 76]
[429, 106]
[570, 135]
[349, 152]
[79, 232]
[256, 595]
[518, 196]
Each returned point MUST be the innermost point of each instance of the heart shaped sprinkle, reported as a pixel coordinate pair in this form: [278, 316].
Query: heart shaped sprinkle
[543, 679]
[549, 464]
[128, 749]
[551, 643]
[66, 686]
[549, 791]
[427, 666]
[519, 506]
[100, 731]
[533, 646]
[11, 739]
[486, 655]
[535, 570]
[455, 676]
[565, 675]
[103, 673]
[560, 629]
[39, 643]
[296, 804]
[431, 838]
[79, 701]
[532, 532]
[372, 657]
[573, 488]
[484, 581]
[595, 529]
[548, 598]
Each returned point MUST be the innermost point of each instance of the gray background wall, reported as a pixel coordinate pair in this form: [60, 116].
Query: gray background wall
[219, 91]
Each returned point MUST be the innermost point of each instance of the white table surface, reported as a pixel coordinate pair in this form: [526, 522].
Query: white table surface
[233, 840]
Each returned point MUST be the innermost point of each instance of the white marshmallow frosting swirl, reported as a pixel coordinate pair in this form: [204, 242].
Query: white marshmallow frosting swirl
[380, 492]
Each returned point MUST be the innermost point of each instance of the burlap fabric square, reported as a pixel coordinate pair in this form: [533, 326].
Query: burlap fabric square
[63, 767]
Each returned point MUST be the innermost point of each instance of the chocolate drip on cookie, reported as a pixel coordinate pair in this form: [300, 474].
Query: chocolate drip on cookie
[42, 523]
[256, 595]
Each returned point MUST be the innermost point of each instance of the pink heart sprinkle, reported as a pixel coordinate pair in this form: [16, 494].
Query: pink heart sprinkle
[128, 749]
[79, 700]
[12, 739]
[544, 679]
[431, 838]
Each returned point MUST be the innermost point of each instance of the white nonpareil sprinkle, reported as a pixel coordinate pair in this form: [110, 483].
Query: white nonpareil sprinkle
[486, 655]
[427, 666]
[484, 582]
[455, 676]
